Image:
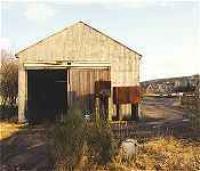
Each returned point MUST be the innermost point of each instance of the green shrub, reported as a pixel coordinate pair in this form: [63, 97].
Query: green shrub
[101, 147]
[67, 140]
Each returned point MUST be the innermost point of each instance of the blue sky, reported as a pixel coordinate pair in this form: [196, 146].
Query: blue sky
[166, 32]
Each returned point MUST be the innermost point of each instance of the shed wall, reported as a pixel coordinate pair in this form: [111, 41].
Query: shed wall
[82, 44]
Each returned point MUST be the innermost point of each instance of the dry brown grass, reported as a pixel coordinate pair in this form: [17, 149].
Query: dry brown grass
[8, 129]
[164, 154]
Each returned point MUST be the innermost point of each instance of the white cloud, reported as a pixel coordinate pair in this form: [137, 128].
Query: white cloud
[5, 43]
[39, 12]
[112, 4]
[6, 5]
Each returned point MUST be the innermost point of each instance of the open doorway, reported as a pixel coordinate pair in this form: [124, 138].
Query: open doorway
[46, 94]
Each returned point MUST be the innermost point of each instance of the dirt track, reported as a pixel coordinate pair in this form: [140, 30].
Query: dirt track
[163, 110]
[165, 116]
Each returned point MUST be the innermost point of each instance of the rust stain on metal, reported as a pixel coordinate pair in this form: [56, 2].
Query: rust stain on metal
[102, 86]
[126, 95]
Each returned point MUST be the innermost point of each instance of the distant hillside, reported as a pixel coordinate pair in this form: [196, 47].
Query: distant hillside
[167, 79]
[171, 85]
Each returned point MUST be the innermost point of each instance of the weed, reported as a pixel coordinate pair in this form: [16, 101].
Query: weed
[67, 140]
[100, 143]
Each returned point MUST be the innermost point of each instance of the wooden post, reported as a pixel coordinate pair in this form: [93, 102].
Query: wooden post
[97, 109]
[118, 111]
[134, 112]
[109, 109]
[22, 94]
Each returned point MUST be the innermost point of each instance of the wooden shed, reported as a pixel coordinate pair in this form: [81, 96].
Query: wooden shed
[78, 64]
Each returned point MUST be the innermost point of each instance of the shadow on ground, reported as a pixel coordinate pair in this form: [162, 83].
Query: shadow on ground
[26, 149]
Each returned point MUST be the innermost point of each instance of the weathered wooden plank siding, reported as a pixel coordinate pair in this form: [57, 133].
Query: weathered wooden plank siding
[82, 85]
[80, 43]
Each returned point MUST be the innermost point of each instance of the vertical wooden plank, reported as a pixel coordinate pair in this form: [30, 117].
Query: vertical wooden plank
[82, 82]
[68, 89]
[71, 86]
[22, 93]
[109, 109]
[77, 89]
[81, 86]
[91, 91]
[88, 89]
[93, 84]
[74, 80]
[85, 82]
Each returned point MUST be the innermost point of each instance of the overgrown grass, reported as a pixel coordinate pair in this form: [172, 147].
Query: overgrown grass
[165, 153]
[80, 145]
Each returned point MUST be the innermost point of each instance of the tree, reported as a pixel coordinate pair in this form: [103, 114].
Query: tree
[8, 78]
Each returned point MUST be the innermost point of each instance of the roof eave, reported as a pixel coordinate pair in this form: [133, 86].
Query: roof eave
[118, 42]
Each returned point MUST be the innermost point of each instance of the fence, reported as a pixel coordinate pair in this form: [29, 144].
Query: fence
[140, 130]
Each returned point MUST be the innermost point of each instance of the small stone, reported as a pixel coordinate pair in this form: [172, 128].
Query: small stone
[129, 148]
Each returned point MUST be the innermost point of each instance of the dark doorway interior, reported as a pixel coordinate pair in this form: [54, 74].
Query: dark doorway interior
[46, 94]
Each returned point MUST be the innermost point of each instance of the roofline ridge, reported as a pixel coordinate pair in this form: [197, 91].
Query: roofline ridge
[65, 28]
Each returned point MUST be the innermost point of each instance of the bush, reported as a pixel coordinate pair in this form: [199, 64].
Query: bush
[9, 79]
[100, 143]
[73, 140]
[68, 139]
